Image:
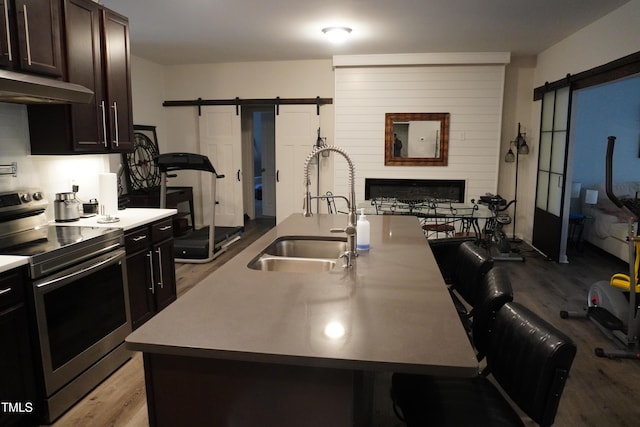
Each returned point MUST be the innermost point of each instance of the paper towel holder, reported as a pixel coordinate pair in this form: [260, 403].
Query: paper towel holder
[108, 189]
[106, 219]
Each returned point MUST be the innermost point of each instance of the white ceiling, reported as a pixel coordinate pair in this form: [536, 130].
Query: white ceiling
[208, 31]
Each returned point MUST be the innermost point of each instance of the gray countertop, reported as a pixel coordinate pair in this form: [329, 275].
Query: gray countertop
[393, 305]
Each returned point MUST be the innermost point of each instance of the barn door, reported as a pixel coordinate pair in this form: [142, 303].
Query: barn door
[549, 235]
[296, 133]
[220, 140]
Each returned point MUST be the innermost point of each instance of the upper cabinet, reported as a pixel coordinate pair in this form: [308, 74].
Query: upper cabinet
[98, 57]
[118, 77]
[30, 38]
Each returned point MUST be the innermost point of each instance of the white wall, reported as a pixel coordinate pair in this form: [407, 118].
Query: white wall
[518, 95]
[177, 127]
[472, 94]
[286, 79]
[611, 37]
[148, 93]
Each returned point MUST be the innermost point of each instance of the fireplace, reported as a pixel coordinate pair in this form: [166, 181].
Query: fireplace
[414, 189]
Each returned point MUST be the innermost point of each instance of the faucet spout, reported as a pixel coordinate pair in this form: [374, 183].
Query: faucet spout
[306, 203]
[350, 229]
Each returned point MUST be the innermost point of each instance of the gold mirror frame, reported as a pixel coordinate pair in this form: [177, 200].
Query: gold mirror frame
[391, 119]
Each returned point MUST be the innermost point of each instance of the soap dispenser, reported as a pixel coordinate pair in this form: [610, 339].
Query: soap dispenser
[362, 232]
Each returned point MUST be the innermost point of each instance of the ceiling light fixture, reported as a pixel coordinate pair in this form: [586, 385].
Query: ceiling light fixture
[337, 34]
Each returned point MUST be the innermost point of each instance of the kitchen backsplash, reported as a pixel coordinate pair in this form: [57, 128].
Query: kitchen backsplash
[52, 174]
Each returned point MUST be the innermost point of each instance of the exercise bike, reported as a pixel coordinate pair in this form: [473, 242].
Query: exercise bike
[493, 232]
[613, 305]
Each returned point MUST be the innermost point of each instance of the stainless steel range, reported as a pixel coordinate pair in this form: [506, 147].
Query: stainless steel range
[78, 298]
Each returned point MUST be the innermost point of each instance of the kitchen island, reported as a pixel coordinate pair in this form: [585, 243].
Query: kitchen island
[251, 347]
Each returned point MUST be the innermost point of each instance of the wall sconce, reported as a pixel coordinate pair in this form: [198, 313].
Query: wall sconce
[521, 148]
[320, 142]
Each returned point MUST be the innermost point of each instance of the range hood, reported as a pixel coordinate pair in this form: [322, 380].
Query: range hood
[30, 89]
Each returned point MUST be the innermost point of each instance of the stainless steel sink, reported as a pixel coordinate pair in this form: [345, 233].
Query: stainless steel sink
[300, 254]
[292, 265]
[307, 247]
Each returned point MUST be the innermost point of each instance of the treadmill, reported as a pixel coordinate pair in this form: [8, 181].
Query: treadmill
[197, 245]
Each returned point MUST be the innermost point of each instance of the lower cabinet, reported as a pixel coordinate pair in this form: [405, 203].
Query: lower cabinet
[150, 270]
[17, 382]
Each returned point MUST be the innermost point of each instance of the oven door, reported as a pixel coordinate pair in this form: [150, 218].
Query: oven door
[82, 314]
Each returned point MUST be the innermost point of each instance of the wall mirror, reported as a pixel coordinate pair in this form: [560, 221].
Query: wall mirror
[416, 139]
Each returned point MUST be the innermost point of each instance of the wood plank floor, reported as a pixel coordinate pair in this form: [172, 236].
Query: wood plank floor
[599, 392]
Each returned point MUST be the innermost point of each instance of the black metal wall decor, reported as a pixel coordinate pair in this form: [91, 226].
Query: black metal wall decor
[140, 169]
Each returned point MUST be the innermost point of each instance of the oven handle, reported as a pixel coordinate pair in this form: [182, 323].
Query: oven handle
[79, 272]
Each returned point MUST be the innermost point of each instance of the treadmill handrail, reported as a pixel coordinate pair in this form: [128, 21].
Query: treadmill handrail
[184, 161]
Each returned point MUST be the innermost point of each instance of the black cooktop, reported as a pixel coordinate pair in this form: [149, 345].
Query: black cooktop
[58, 237]
[66, 245]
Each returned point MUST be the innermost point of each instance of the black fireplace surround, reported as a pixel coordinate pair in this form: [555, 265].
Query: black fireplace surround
[414, 189]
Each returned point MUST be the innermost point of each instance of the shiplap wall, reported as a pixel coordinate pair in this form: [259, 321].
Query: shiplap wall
[471, 93]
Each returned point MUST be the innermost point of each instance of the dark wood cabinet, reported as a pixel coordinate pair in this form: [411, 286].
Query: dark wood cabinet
[98, 57]
[17, 387]
[139, 280]
[7, 58]
[30, 37]
[151, 270]
[118, 80]
[164, 274]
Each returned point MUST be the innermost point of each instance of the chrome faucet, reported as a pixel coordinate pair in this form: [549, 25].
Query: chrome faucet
[350, 229]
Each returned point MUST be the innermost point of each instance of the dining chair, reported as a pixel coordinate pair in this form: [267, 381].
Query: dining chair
[436, 221]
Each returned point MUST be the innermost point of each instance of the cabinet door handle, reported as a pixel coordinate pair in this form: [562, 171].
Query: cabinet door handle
[5, 291]
[166, 227]
[104, 124]
[6, 28]
[161, 281]
[115, 123]
[238, 174]
[138, 238]
[26, 33]
[152, 288]
[278, 175]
